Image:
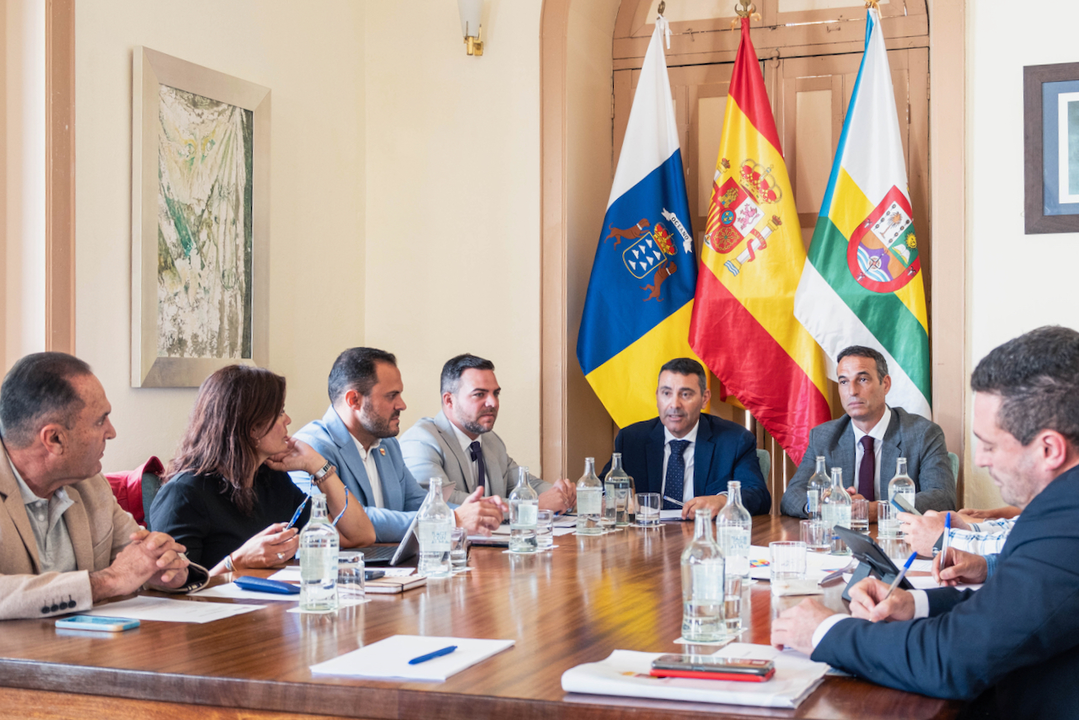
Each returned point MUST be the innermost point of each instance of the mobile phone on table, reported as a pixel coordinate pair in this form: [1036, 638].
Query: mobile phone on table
[373, 574]
[709, 667]
[901, 504]
[99, 623]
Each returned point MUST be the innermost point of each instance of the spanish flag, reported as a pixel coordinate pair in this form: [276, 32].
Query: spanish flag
[640, 293]
[743, 324]
[862, 282]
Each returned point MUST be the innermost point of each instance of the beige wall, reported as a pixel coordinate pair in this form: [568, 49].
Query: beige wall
[311, 56]
[1017, 282]
[453, 202]
[22, 179]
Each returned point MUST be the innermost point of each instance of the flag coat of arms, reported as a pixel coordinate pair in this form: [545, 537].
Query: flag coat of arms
[743, 323]
[861, 284]
[640, 294]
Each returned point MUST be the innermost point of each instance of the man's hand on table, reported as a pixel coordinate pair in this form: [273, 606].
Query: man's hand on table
[867, 602]
[795, 626]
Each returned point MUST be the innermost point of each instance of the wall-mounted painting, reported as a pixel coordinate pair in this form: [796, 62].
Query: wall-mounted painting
[1051, 139]
[200, 191]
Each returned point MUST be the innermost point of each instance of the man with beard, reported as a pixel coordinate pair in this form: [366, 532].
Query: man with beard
[689, 456]
[458, 444]
[357, 435]
[1012, 646]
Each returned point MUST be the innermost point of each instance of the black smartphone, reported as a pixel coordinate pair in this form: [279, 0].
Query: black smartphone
[901, 504]
[373, 574]
[709, 667]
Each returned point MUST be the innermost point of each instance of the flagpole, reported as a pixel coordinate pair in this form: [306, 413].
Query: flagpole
[746, 9]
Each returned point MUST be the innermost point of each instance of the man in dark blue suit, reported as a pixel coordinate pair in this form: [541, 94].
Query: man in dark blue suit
[1011, 647]
[660, 454]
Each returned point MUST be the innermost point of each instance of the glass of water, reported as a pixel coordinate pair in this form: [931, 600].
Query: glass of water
[544, 529]
[859, 516]
[815, 536]
[459, 549]
[648, 505]
[887, 520]
[350, 587]
[732, 603]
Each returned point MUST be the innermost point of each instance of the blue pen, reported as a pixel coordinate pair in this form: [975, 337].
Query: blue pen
[432, 655]
[944, 542]
[902, 574]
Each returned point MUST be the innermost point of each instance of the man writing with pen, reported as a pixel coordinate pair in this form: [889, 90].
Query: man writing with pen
[1011, 647]
[687, 456]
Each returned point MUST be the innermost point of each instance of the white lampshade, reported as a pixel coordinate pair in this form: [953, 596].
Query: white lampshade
[471, 12]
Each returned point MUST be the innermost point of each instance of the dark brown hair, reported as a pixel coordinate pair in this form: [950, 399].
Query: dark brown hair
[236, 406]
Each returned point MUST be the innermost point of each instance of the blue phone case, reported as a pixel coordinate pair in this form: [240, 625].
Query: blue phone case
[97, 622]
[258, 584]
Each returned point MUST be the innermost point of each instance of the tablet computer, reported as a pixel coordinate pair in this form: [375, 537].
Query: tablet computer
[872, 560]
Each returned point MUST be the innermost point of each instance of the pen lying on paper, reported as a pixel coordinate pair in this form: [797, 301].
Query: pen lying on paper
[432, 655]
[902, 574]
[670, 499]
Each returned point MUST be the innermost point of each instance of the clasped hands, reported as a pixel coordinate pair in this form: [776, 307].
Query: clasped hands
[150, 557]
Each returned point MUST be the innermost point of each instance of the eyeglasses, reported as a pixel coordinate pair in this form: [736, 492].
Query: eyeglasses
[299, 510]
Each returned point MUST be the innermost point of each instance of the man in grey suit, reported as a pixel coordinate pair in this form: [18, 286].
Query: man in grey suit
[458, 444]
[358, 435]
[868, 440]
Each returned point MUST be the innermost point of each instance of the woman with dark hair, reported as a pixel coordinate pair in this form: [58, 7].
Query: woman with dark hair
[228, 497]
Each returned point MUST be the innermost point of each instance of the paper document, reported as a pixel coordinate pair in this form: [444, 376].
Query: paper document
[926, 582]
[169, 610]
[817, 564]
[625, 673]
[675, 514]
[389, 658]
[292, 573]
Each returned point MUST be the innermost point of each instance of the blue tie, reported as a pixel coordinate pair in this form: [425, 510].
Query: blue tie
[676, 474]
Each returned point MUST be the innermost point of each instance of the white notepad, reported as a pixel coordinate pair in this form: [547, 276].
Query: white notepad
[170, 610]
[388, 659]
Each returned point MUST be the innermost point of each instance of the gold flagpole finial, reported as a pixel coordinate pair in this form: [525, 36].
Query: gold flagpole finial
[872, 4]
[745, 9]
[662, 7]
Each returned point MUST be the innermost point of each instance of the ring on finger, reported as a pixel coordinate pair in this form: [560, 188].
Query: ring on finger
[280, 556]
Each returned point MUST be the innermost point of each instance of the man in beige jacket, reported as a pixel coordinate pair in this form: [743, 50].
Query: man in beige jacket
[64, 541]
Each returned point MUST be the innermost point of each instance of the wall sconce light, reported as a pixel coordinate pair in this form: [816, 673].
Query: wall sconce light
[471, 12]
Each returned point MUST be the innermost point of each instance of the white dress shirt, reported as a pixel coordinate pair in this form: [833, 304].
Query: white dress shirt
[921, 610]
[687, 456]
[368, 457]
[877, 433]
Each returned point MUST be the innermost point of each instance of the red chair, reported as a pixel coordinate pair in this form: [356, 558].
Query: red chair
[135, 489]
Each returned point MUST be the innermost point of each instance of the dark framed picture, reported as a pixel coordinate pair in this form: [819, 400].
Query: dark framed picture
[1051, 143]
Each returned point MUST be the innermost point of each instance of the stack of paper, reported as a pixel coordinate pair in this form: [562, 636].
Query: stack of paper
[625, 674]
[389, 658]
[170, 610]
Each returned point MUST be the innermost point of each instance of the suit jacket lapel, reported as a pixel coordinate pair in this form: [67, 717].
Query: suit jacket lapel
[464, 462]
[16, 510]
[654, 459]
[78, 527]
[843, 452]
[392, 499]
[344, 440]
[890, 451]
[703, 451]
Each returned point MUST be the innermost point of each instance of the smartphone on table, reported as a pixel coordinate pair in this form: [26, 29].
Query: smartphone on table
[901, 504]
[98, 623]
[709, 667]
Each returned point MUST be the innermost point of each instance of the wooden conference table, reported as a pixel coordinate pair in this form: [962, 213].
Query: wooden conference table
[572, 605]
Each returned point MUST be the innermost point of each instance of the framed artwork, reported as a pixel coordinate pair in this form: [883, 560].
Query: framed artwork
[199, 221]
[1051, 144]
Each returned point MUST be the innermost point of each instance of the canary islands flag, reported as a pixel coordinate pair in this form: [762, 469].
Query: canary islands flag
[743, 322]
[640, 294]
[861, 283]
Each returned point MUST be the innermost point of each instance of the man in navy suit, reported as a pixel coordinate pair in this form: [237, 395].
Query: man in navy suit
[689, 456]
[1011, 647]
[358, 434]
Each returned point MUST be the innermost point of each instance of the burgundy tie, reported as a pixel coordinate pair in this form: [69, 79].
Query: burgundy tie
[865, 470]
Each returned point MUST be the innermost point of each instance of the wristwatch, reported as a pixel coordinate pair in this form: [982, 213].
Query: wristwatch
[322, 473]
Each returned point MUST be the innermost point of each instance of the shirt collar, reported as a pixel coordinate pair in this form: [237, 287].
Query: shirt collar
[691, 436]
[465, 440]
[364, 452]
[877, 433]
[28, 495]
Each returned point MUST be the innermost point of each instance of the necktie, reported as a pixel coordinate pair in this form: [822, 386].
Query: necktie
[676, 474]
[481, 467]
[865, 470]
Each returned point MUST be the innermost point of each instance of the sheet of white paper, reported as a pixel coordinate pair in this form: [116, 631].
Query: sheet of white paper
[926, 582]
[232, 591]
[675, 514]
[920, 565]
[170, 610]
[625, 673]
[566, 521]
[389, 658]
[292, 573]
[560, 531]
